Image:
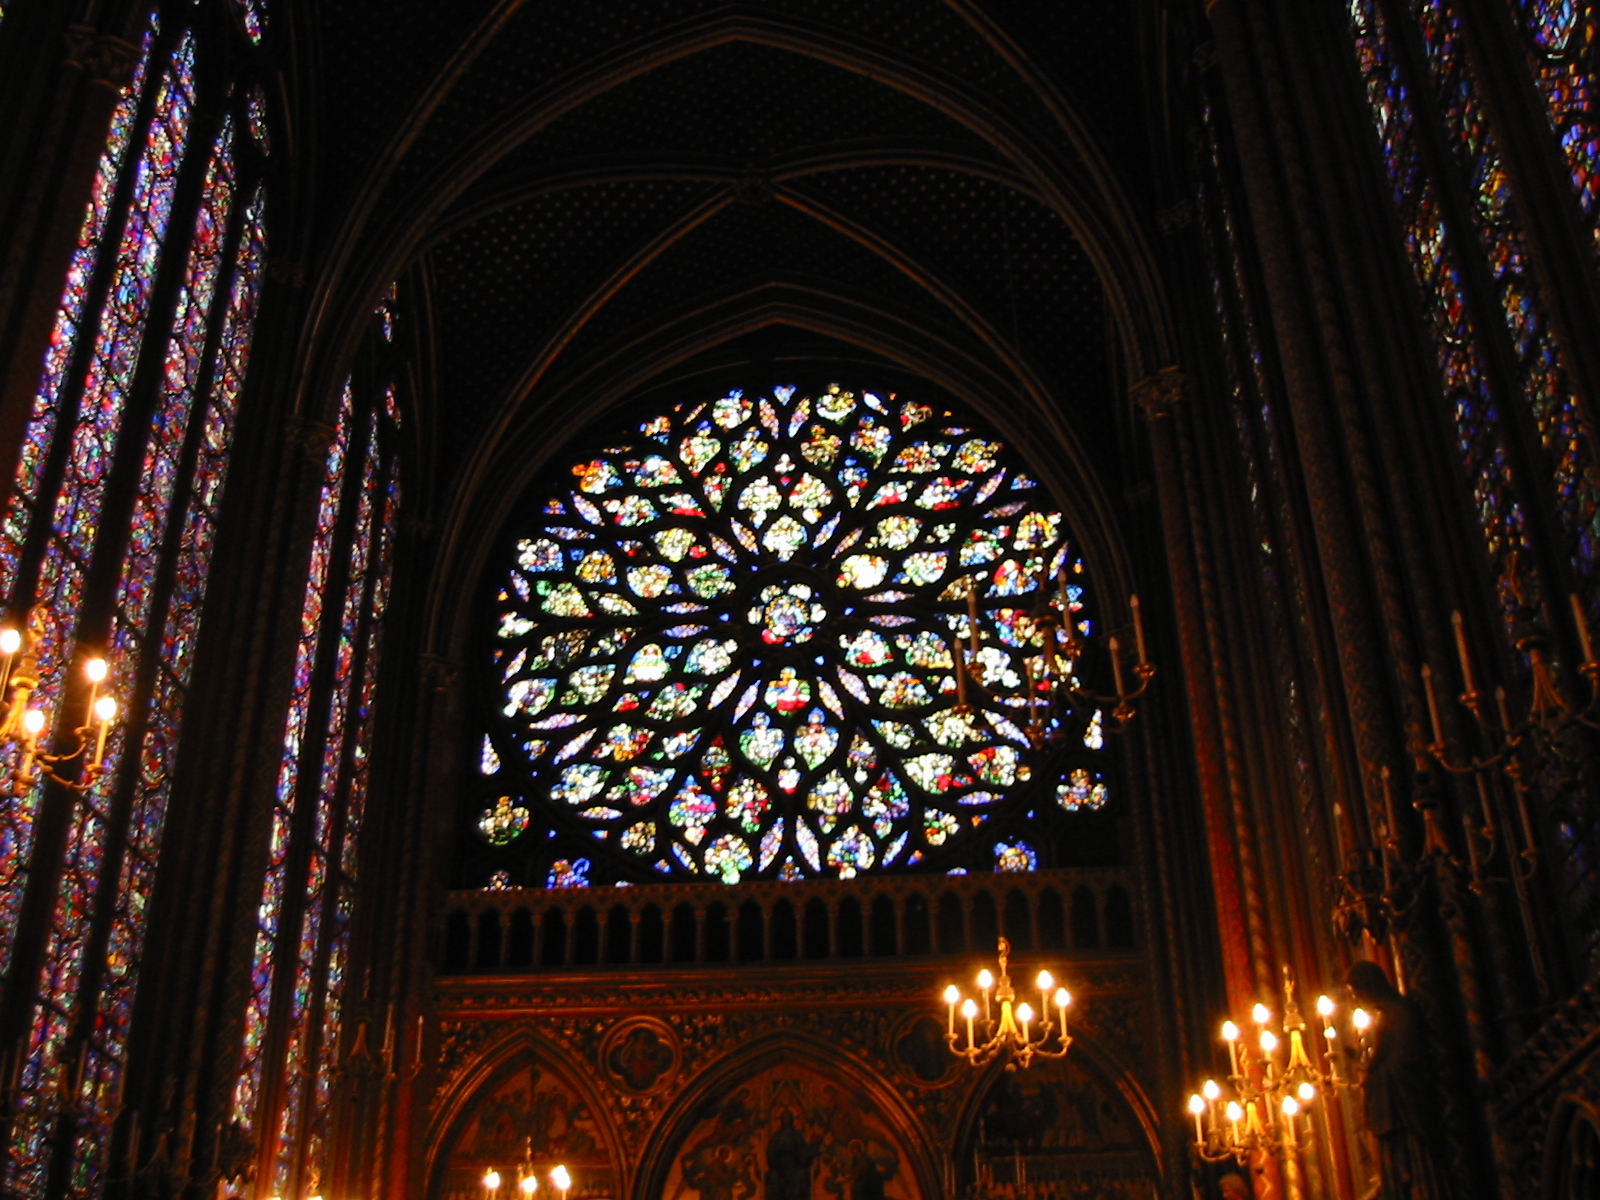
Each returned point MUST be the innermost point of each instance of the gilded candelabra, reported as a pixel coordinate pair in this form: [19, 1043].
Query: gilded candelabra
[1013, 1034]
[1273, 1086]
[23, 724]
[1056, 701]
[528, 1179]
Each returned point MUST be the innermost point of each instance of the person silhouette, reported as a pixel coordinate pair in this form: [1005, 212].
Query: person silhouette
[1400, 1107]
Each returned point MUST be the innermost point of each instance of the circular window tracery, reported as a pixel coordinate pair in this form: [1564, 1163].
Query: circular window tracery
[728, 650]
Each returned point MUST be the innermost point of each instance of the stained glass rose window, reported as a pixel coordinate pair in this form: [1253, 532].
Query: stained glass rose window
[726, 649]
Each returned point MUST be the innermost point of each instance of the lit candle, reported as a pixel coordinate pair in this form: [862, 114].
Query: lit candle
[529, 1184]
[1433, 706]
[1116, 667]
[1261, 1014]
[969, 1010]
[1230, 1034]
[1582, 622]
[952, 997]
[1212, 1094]
[1046, 981]
[1362, 1020]
[562, 1179]
[95, 669]
[10, 643]
[985, 982]
[1235, 1113]
[1063, 1000]
[1024, 1015]
[1471, 685]
[1138, 630]
[491, 1181]
[104, 709]
[1196, 1107]
[1325, 1011]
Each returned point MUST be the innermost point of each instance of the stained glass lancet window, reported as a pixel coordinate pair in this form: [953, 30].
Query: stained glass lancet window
[1459, 211]
[1434, 249]
[1561, 39]
[141, 383]
[1496, 220]
[727, 650]
[284, 1092]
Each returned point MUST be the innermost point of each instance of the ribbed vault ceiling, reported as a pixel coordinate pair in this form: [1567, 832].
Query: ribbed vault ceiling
[571, 191]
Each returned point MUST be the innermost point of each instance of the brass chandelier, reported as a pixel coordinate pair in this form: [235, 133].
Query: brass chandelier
[1057, 703]
[1013, 1035]
[22, 724]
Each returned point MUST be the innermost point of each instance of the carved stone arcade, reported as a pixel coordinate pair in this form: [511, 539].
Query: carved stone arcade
[791, 1048]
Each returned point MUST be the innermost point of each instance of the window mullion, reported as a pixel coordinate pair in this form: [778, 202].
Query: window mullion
[76, 371]
[318, 1055]
[286, 940]
[135, 718]
[1562, 254]
[1487, 324]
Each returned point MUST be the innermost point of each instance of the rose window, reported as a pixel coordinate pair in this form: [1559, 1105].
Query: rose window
[726, 649]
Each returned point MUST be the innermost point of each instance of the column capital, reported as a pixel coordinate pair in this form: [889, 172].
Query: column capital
[439, 673]
[104, 59]
[312, 436]
[1159, 395]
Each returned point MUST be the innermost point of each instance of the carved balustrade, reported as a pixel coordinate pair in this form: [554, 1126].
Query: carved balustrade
[1085, 911]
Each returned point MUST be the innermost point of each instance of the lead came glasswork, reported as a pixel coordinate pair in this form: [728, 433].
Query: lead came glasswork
[1433, 249]
[17, 812]
[1498, 223]
[86, 839]
[1561, 39]
[817, 673]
